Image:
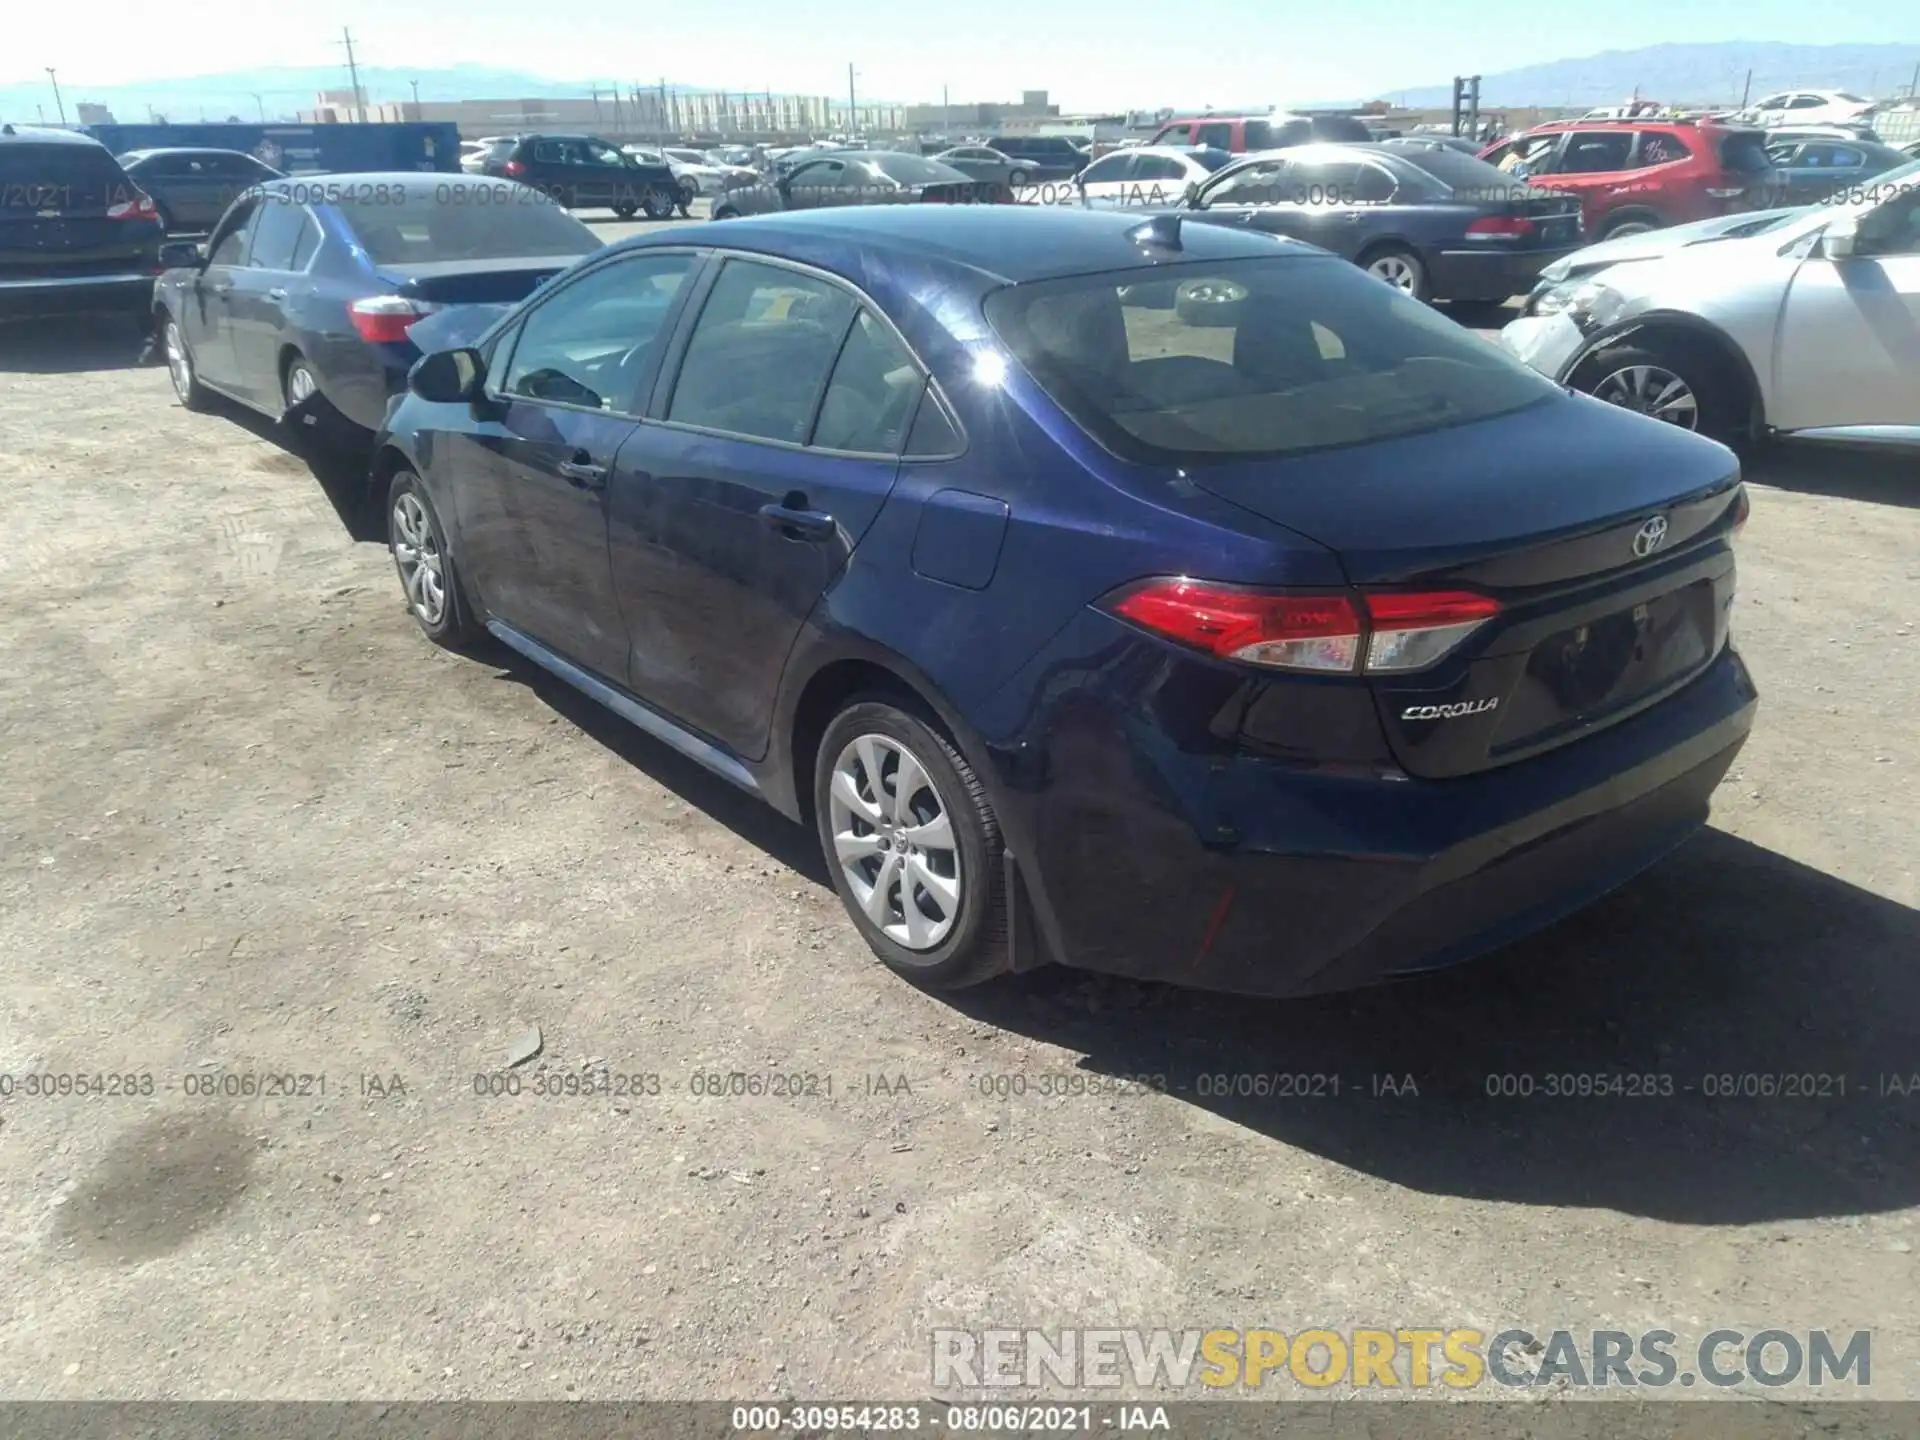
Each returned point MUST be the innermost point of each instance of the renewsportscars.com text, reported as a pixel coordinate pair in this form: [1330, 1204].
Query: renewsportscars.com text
[1414, 1358]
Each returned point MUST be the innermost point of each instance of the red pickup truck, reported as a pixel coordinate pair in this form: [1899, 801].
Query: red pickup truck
[1246, 134]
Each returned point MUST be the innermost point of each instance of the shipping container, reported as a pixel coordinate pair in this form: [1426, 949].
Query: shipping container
[303, 149]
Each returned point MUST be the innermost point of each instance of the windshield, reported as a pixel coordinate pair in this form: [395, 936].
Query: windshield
[1191, 363]
[480, 220]
[916, 170]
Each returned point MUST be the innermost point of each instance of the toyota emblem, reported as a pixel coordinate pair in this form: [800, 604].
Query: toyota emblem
[1650, 536]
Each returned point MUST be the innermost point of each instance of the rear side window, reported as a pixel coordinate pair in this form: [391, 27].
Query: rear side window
[308, 242]
[872, 396]
[1744, 152]
[477, 220]
[1259, 135]
[1220, 136]
[1263, 357]
[760, 355]
[66, 179]
[1596, 151]
[1657, 147]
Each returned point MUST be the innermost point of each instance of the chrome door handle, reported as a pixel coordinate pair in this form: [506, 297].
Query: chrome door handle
[584, 474]
[276, 293]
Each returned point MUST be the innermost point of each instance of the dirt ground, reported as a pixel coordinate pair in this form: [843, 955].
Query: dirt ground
[255, 825]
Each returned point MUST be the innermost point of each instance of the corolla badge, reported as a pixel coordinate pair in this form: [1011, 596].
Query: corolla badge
[1650, 536]
[1449, 712]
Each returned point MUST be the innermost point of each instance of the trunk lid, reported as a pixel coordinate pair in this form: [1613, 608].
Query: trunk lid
[1544, 510]
[473, 282]
[54, 200]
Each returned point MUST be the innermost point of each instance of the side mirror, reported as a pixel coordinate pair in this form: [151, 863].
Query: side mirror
[1839, 240]
[448, 377]
[181, 255]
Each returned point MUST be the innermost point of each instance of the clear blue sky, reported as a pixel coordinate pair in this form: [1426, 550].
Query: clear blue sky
[1089, 53]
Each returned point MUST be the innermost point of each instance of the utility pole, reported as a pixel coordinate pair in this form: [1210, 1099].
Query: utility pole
[60, 104]
[852, 123]
[353, 74]
[416, 98]
[1913, 85]
[1746, 90]
[666, 120]
[946, 118]
[260, 105]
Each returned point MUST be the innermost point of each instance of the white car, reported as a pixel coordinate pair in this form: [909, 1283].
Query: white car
[1812, 325]
[1809, 107]
[1144, 175]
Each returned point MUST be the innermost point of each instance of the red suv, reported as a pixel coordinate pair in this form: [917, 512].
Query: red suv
[1633, 175]
[1247, 134]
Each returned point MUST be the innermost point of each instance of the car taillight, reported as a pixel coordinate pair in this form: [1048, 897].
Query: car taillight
[385, 318]
[1742, 507]
[1331, 633]
[514, 167]
[140, 207]
[1501, 227]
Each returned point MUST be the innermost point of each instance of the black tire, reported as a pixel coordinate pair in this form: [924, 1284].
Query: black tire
[626, 209]
[1628, 225]
[456, 627]
[1017, 179]
[975, 948]
[658, 206]
[725, 212]
[1717, 410]
[187, 388]
[1420, 283]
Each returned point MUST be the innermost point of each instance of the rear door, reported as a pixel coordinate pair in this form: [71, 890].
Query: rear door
[1104, 185]
[257, 305]
[775, 446]
[1596, 165]
[532, 497]
[56, 204]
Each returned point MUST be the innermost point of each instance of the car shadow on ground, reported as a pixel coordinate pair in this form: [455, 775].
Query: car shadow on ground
[72, 345]
[1727, 968]
[1878, 474]
[341, 471]
[753, 820]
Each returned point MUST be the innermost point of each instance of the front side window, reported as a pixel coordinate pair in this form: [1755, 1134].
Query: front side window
[760, 355]
[1259, 357]
[1220, 136]
[1261, 183]
[231, 247]
[590, 343]
[1114, 167]
[1657, 147]
[275, 234]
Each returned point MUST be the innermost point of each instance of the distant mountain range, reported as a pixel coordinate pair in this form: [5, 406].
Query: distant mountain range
[1713, 74]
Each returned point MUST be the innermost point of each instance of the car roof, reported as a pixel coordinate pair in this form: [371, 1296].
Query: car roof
[45, 135]
[1011, 244]
[148, 151]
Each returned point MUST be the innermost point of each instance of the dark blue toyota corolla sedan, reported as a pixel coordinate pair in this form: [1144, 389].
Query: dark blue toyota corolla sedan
[1154, 598]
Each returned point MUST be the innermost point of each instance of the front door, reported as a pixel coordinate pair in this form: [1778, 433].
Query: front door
[734, 511]
[532, 502]
[1850, 329]
[208, 299]
[257, 305]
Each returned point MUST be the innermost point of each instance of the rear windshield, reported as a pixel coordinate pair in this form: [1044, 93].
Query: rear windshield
[479, 220]
[67, 179]
[916, 170]
[1464, 174]
[1185, 364]
[1744, 152]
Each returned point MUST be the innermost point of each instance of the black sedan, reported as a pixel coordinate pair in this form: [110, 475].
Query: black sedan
[1811, 172]
[300, 301]
[859, 177]
[584, 172]
[1437, 224]
[193, 188]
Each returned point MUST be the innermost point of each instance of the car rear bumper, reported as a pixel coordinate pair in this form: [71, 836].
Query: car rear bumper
[1330, 880]
[1489, 275]
[32, 298]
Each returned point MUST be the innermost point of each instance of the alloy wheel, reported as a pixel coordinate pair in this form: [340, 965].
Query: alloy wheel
[416, 550]
[300, 386]
[894, 842]
[179, 363]
[1651, 390]
[1397, 271]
